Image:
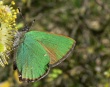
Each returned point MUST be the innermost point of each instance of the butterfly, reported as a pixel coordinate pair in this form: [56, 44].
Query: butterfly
[38, 51]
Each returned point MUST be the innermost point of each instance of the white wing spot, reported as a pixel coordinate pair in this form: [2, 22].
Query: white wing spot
[45, 54]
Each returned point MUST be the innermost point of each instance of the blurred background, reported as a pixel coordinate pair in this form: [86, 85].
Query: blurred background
[86, 21]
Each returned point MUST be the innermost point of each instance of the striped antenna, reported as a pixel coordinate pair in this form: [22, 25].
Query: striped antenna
[26, 28]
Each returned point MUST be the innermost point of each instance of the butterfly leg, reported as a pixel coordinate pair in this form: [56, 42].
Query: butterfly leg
[14, 65]
[20, 77]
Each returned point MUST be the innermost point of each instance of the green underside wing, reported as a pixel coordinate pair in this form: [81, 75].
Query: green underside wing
[39, 51]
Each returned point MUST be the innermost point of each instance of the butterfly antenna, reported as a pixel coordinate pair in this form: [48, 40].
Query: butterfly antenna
[31, 24]
[22, 18]
[26, 28]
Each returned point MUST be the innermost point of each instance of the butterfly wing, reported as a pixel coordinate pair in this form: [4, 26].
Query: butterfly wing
[38, 50]
[31, 60]
[58, 47]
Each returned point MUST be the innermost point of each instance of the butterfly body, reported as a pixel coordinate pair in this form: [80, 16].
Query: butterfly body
[38, 51]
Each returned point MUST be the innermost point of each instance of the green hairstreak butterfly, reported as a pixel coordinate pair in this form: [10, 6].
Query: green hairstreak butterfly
[38, 51]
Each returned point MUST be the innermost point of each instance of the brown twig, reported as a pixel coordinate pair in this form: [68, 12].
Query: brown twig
[105, 7]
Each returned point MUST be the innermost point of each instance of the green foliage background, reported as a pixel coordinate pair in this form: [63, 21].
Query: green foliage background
[86, 21]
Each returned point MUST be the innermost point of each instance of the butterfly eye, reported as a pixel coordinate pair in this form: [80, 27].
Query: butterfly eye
[26, 29]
